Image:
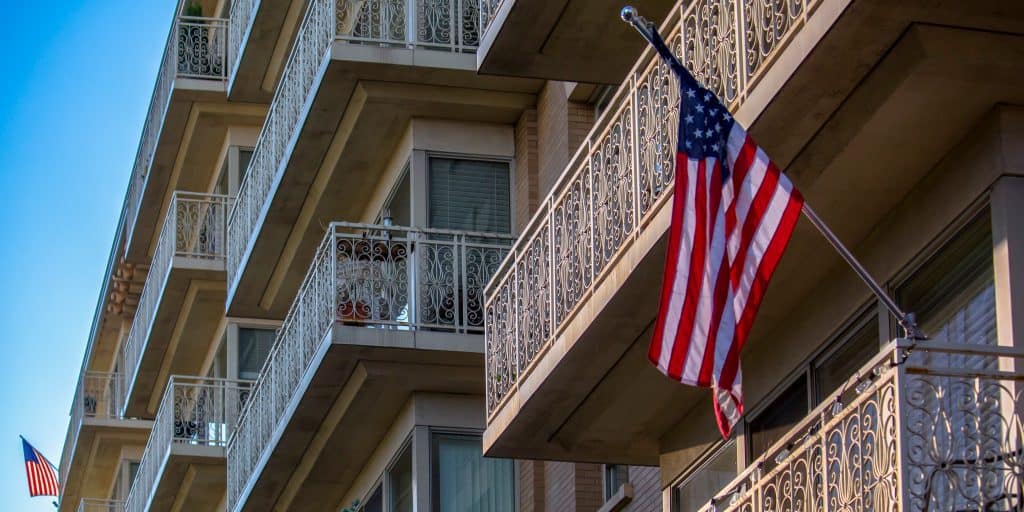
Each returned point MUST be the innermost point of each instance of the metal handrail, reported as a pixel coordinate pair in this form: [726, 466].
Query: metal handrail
[358, 22]
[196, 48]
[374, 276]
[198, 411]
[619, 178]
[194, 227]
[882, 438]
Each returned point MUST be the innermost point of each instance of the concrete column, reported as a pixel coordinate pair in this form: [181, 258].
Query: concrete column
[1008, 264]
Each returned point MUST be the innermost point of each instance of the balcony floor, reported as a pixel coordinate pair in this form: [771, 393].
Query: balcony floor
[190, 307]
[355, 387]
[192, 478]
[96, 457]
[362, 105]
[196, 123]
[570, 40]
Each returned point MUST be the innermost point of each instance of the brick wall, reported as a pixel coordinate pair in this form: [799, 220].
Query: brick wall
[531, 486]
[527, 187]
[561, 127]
[646, 483]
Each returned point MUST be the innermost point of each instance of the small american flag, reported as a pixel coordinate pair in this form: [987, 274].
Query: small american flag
[732, 217]
[42, 476]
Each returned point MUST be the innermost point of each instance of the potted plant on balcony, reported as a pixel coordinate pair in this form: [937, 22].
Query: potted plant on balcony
[193, 9]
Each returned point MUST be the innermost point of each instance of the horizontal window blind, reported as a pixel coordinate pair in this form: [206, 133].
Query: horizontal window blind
[469, 195]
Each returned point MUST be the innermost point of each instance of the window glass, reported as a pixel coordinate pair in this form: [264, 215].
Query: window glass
[855, 350]
[375, 502]
[466, 481]
[953, 293]
[615, 476]
[469, 195]
[253, 348]
[778, 418]
[399, 205]
[710, 479]
[244, 157]
[400, 482]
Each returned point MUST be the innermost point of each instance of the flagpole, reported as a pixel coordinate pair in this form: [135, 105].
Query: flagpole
[906, 320]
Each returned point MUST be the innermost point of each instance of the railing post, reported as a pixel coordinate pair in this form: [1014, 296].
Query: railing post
[899, 384]
[741, 54]
[634, 144]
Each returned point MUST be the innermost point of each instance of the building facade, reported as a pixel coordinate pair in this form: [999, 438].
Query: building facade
[403, 255]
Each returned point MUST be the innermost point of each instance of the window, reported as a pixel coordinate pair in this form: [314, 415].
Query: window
[253, 348]
[399, 481]
[375, 502]
[784, 412]
[615, 476]
[398, 207]
[470, 195]
[707, 481]
[953, 293]
[465, 481]
[855, 348]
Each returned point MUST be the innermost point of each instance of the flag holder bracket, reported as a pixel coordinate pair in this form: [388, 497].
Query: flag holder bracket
[906, 320]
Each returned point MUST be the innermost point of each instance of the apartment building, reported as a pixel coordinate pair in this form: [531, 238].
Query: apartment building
[901, 124]
[368, 242]
[292, 317]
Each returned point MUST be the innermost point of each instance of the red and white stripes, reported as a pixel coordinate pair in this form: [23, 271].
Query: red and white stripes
[726, 239]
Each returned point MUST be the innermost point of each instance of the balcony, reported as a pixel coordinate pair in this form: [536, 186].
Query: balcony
[182, 467]
[193, 68]
[90, 505]
[260, 34]
[572, 40]
[382, 312]
[569, 315]
[358, 72]
[181, 302]
[96, 434]
[942, 431]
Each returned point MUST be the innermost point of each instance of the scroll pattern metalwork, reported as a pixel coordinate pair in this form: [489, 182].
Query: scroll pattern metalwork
[919, 438]
[242, 14]
[287, 108]
[194, 228]
[194, 411]
[448, 25]
[91, 505]
[624, 168]
[384, 277]
[196, 48]
[98, 395]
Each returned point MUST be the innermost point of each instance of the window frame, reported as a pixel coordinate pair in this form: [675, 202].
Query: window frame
[433, 476]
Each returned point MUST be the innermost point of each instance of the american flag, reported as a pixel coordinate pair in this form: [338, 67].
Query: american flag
[42, 476]
[732, 217]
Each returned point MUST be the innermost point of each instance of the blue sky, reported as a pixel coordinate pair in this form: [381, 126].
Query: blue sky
[79, 75]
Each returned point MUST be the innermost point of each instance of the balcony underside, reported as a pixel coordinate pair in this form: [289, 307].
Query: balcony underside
[190, 307]
[355, 388]
[264, 50]
[97, 455]
[193, 478]
[186, 153]
[571, 40]
[892, 112]
[356, 120]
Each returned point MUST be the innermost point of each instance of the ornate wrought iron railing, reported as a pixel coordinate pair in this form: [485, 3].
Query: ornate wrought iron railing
[449, 25]
[194, 228]
[196, 48]
[364, 275]
[941, 431]
[98, 395]
[241, 17]
[619, 175]
[193, 411]
[91, 505]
